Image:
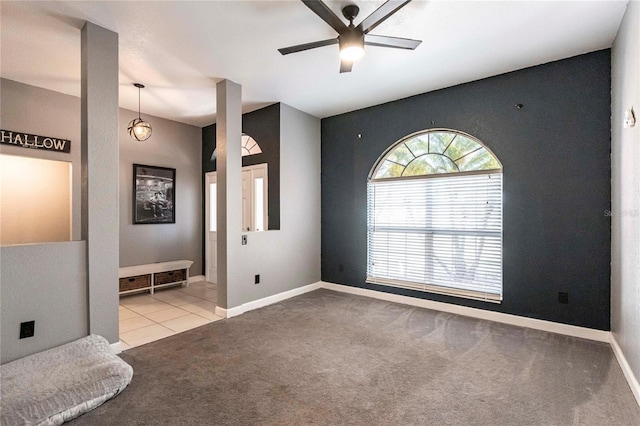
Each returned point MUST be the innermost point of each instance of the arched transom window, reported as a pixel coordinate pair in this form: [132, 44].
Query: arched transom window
[435, 152]
[434, 216]
[249, 146]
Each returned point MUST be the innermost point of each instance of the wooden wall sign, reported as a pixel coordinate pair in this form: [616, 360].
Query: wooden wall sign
[26, 140]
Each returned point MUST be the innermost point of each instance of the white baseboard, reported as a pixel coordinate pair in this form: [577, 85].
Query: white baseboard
[116, 348]
[231, 312]
[197, 278]
[536, 324]
[260, 303]
[553, 327]
[626, 368]
[221, 312]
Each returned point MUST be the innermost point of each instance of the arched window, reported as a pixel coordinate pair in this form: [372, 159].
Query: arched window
[434, 216]
[249, 146]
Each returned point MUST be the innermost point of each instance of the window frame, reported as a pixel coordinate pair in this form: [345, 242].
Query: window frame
[380, 160]
[430, 232]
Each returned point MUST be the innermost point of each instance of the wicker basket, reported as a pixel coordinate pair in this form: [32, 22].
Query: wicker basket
[134, 283]
[170, 277]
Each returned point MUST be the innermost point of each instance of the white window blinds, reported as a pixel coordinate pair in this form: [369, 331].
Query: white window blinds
[441, 234]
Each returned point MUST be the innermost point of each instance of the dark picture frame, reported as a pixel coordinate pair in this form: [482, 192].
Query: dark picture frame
[153, 194]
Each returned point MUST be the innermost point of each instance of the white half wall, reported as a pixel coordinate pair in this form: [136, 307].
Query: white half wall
[625, 194]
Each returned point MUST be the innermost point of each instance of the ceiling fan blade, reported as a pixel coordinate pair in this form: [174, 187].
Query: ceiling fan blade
[307, 46]
[345, 66]
[381, 14]
[326, 14]
[386, 41]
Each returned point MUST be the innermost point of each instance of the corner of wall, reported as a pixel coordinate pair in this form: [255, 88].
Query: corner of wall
[625, 197]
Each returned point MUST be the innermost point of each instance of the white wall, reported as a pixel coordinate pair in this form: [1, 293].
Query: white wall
[290, 257]
[625, 188]
[174, 145]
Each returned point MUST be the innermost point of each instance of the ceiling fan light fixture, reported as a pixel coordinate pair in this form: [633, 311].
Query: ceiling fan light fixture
[351, 38]
[351, 46]
[139, 129]
[352, 53]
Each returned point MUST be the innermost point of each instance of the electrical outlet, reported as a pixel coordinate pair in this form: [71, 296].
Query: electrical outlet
[244, 240]
[563, 297]
[27, 329]
[257, 279]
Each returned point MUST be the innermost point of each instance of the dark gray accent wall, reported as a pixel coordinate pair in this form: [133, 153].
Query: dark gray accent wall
[555, 151]
[264, 126]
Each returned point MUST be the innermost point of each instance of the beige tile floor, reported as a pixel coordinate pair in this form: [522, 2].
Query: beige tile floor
[145, 318]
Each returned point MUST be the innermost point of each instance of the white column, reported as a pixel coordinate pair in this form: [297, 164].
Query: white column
[229, 195]
[99, 136]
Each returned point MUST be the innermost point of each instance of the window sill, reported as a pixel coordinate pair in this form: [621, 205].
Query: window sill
[446, 291]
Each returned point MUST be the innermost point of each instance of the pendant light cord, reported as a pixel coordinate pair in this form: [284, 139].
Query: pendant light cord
[139, 104]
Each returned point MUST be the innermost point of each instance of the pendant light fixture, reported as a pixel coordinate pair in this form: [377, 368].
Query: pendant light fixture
[139, 129]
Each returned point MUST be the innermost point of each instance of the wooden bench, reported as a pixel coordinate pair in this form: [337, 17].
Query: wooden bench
[153, 275]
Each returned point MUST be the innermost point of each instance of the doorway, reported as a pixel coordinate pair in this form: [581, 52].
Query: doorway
[254, 211]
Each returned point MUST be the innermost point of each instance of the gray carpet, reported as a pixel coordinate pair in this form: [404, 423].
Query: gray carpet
[329, 358]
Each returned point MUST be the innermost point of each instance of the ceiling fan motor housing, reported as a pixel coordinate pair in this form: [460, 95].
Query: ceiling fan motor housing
[353, 37]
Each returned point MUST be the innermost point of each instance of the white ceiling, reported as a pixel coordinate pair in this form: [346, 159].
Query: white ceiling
[180, 49]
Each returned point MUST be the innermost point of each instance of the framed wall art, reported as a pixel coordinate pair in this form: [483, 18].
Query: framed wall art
[153, 194]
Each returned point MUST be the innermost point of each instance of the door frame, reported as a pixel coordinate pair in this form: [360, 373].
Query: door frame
[210, 177]
[207, 197]
[262, 169]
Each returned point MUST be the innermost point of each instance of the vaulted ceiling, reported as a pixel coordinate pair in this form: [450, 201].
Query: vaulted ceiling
[180, 49]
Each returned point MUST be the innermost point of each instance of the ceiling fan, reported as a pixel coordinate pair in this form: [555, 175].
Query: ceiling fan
[351, 38]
